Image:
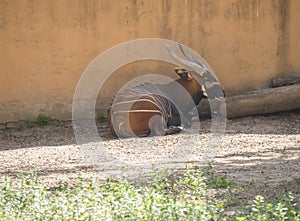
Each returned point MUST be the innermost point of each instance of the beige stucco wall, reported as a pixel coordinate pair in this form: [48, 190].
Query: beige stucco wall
[46, 45]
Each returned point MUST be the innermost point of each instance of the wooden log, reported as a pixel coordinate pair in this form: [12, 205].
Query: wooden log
[264, 101]
[285, 80]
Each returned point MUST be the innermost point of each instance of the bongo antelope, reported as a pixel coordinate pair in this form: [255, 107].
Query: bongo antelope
[149, 109]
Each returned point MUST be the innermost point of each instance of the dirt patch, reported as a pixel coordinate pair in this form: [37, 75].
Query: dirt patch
[260, 153]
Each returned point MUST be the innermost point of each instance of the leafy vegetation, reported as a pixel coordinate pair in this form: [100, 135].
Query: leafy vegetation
[43, 119]
[5, 134]
[30, 123]
[102, 118]
[166, 197]
[260, 209]
[21, 126]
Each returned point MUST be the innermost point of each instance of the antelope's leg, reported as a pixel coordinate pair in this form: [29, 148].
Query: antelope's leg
[110, 125]
[157, 125]
[176, 120]
[173, 130]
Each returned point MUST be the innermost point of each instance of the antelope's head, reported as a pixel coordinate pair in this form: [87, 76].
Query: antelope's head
[191, 85]
[209, 85]
[196, 70]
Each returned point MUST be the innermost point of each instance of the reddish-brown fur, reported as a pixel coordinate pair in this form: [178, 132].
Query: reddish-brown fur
[141, 123]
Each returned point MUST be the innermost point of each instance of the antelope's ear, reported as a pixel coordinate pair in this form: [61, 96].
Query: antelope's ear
[183, 74]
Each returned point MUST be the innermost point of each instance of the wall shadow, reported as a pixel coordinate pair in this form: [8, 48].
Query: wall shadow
[61, 133]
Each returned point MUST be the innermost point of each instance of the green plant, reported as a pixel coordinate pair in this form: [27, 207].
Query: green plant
[5, 134]
[29, 199]
[102, 118]
[43, 119]
[20, 126]
[169, 196]
[30, 123]
[220, 182]
[215, 181]
[260, 209]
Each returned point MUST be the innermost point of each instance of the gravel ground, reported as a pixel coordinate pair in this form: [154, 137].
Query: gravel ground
[262, 152]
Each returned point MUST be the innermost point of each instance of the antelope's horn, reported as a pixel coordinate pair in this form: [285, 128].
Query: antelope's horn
[184, 62]
[208, 76]
[191, 58]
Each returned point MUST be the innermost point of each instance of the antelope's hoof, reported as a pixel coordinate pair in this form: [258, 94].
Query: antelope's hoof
[173, 130]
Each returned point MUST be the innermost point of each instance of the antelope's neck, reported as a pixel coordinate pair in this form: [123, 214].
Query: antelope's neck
[186, 99]
[194, 89]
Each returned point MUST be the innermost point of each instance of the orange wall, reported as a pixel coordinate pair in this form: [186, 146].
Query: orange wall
[46, 45]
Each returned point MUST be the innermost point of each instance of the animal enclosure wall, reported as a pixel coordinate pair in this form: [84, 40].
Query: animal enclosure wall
[46, 45]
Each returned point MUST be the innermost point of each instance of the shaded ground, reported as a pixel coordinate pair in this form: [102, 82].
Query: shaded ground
[260, 153]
